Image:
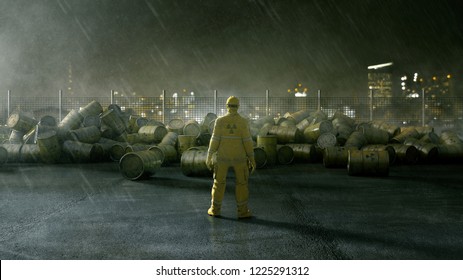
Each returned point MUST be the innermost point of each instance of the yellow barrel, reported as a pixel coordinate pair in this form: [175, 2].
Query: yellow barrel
[176, 125]
[302, 125]
[192, 128]
[29, 153]
[269, 144]
[153, 133]
[392, 130]
[286, 134]
[285, 154]
[16, 137]
[185, 142]
[260, 156]
[3, 156]
[336, 157]
[139, 165]
[326, 140]
[91, 109]
[89, 134]
[427, 151]
[193, 162]
[450, 137]
[405, 153]
[375, 136]
[170, 139]
[299, 115]
[405, 133]
[13, 151]
[304, 152]
[312, 132]
[356, 139]
[50, 148]
[21, 122]
[378, 147]
[167, 153]
[117, 151]
[368, 163]
[82, 152]
[113, 120]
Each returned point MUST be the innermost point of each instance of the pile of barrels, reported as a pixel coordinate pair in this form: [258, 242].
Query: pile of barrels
[93, 134]
[340, 142]
[141, 146]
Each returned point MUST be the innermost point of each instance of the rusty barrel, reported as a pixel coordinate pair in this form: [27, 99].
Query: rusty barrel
[368, 163]
[356, 139]
[285, 154]
[185, 142]
[427, 151]
[83, 152]
[192, 128]
[450, 137]
[3, 155]
[378, 147]
[336, 157]
[30, 153]
[92, 120]
[21, 122]
[90, 135]
[260, 156]
[93, 108]
[153, 133]
[312, 132]
[405, 133]
[391, 129]
[50, 147]
[113, 120]
[13, 151]
[304, 152]
[405, 153]
[170, 138]
[117, 151]
[210, 117]
[326, 140]
[167, 153]
[176, 125]
[193, 162]
[16, 137]
[139, 165]
[269, 144]
[286, 134]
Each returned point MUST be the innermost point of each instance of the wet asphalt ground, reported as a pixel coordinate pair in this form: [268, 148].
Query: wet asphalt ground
[302, 211]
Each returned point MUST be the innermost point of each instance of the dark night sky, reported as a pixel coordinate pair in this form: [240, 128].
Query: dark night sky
[237, 47]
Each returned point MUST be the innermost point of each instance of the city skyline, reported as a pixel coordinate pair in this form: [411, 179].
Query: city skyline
[236, 47]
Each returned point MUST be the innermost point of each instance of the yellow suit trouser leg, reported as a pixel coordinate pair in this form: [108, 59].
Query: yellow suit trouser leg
[218, 189]
[241, 187]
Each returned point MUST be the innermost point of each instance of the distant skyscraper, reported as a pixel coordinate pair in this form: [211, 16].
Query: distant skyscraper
[380, 79]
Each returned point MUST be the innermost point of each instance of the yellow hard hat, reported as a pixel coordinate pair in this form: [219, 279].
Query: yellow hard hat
[233, 101]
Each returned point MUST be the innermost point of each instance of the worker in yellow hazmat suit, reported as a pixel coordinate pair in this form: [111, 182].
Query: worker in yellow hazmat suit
[231, 140]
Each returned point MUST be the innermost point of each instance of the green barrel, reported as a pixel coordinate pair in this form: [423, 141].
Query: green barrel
[336, 157]
[185, 142]
[153, 133]
[285, 154]
[3, 155]
[139, 165]
[192, 128]
[93, 108]
[260, 156]
[405, 153]
[30, 153]
[327, 139]
[193, 162]
[176, 125]
[50, 147]
[304, 152]
[368, 163]
[170, 139]
[286, 134]
[405, 132]
[90, 135]
[312, 132]
[356, 139]
[114, 121]
[83, 152]
[378, 147]
[167, 153]
[21, 122]
[117, 150]
[13, 151]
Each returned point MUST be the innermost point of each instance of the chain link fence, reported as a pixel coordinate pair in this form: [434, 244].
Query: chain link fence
[433, 111]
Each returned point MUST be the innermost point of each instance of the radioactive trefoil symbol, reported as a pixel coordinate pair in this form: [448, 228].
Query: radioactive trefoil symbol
[231, 128]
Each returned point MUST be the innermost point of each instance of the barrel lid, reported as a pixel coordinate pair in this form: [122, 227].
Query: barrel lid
[13, 120]
[176, 124]
[131, 166]
[326, 140]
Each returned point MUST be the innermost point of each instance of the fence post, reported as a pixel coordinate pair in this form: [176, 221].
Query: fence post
[215, 101]
[60, 101]
[267, 102]
[371, 104]
[422, 107]
[164, 106]
[112, 96]
[8, 100]
[319, 96]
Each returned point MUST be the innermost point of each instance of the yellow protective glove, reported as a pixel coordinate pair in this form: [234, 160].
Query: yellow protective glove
[252, 164]
[209, 162]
